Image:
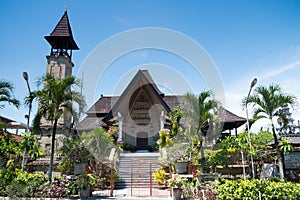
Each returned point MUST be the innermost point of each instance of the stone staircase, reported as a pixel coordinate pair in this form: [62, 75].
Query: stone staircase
[136, 165]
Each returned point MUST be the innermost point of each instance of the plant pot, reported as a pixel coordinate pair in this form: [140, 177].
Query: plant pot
[79, 168]
[84, 194]
[207, 177]
[176, 194]
[181, 167]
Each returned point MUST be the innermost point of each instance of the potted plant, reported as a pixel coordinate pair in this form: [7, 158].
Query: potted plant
[84, 182]
[177, 156]
[177, 183]
[160, 176]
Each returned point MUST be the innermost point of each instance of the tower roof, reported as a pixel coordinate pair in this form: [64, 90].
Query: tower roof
[61, 37]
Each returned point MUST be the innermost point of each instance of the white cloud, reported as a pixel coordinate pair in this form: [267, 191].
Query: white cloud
[286, 76]
[279, 71]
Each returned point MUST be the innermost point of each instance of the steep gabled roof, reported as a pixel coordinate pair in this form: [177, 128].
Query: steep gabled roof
[144, 76]
[147, 75]
[62, 37]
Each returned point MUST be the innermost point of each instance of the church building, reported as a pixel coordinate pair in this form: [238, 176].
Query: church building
[141, 112]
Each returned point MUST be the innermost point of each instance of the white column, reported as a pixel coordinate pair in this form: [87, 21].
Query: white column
[162, 120]
[120, 124]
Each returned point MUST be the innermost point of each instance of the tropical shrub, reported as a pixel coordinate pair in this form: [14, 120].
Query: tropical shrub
[252, 189]
[98, 142]
[85, 180]
[160, 176]
[18, 184]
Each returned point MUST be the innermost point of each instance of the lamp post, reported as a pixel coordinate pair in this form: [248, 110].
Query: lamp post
[25, 76]
[254, 81]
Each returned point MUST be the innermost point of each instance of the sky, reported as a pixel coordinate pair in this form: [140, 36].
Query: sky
[240, 39]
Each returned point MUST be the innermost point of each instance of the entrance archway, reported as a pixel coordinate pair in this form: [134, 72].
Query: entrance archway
[142, 141]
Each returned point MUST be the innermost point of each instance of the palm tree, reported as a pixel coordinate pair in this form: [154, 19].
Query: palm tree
[266, 102]
[54, 99]
[6, 94]
[200, 112]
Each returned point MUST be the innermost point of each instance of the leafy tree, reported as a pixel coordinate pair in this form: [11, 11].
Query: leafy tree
[6, 94]
[54, 99]
[285, 146]
[238, 144]
[8, 146]
[32, 145]
[266, 102]
[72, 151]
[200, 113]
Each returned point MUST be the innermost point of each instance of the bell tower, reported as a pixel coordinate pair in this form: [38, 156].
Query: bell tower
[59, 62]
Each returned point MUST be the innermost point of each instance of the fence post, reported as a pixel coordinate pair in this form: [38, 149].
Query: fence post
[112, 179]
[131, 179]
[150, 179]
[170, 174]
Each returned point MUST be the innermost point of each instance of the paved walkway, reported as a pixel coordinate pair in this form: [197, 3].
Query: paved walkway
[138, 193]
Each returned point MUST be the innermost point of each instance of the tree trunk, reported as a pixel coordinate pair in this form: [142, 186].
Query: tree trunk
[52, 151]
[203, 164]
[243, 163]
[281, 172]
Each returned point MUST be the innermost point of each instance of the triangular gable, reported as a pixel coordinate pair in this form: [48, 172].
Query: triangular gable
[141, 79]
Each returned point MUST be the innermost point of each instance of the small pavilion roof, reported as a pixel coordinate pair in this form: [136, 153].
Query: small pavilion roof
[62, 37]
[230, 120]
[12, 124]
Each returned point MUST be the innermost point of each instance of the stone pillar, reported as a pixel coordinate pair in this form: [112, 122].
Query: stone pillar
[120, 124]
[162, 120]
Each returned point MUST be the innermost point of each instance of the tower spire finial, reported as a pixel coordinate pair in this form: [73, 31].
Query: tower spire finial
[66, 7]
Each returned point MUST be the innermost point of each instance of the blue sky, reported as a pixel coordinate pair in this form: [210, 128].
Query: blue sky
[245, 39]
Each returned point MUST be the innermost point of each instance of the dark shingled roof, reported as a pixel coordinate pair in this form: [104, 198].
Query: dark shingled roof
[90, 123]
[103, 105]
[173, 100]
[294, 139]
[146, 73]
[230, 120]
[61, 37]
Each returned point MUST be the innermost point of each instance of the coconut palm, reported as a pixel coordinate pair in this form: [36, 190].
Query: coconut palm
[266, 102]
[200, 113]
[54, 99]
[6, 94]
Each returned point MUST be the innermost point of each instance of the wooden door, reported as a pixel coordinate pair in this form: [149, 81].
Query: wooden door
[142, 141]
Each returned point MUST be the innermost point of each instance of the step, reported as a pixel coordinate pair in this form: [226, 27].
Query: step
[139, 164]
